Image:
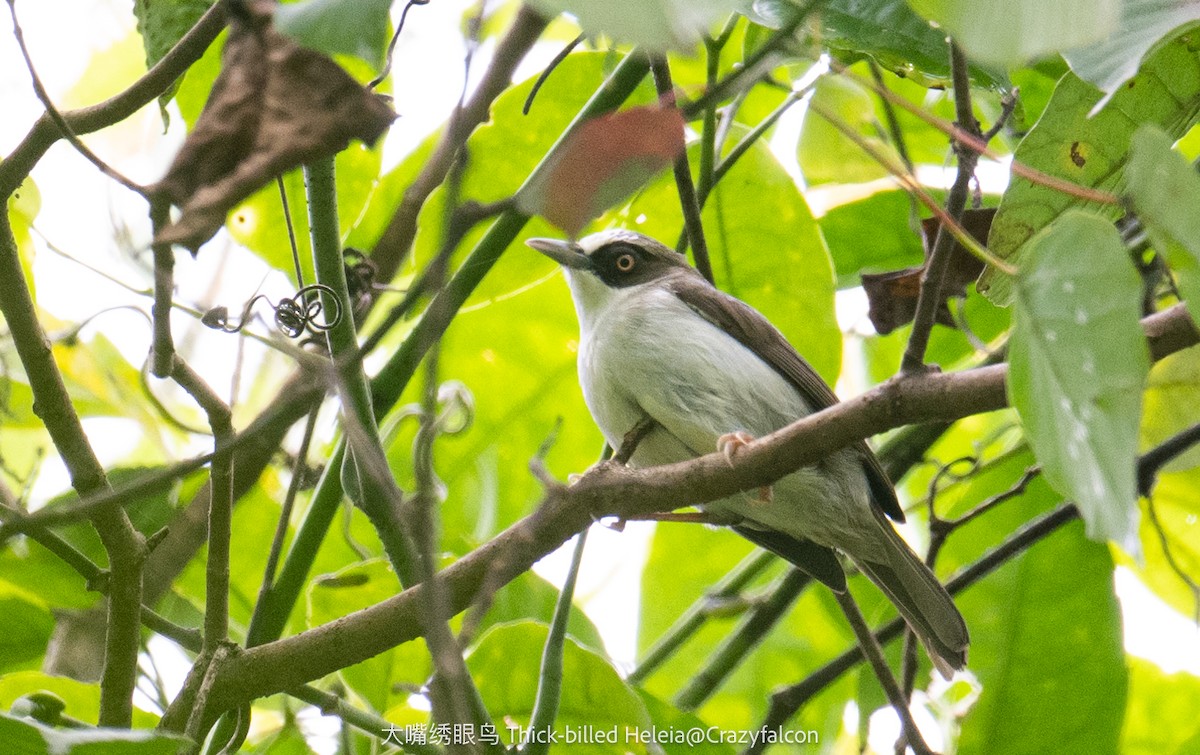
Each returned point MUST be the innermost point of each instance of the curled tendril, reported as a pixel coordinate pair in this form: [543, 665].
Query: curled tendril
[292, 316]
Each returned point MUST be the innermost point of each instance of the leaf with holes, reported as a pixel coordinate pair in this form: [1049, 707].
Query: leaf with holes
[1078, 363]
[1090, 150]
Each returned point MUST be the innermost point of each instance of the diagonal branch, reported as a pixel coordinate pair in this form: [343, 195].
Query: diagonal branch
[624, 492]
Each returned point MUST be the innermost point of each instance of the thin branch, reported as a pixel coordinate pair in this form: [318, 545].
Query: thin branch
[956, 201]
[870, 647]
[683, 177]
[397, 239]
[125, 546]
[1158, 457]
[63, 127]
[979, 145]
[559, 57]
[755, 66]
[550, 672]
[220, 510]
[738, 643]
[189, 49]
[785, 702]
[716, 600]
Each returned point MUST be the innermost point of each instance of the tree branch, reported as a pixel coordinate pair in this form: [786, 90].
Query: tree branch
[609, 490]
[157, 80]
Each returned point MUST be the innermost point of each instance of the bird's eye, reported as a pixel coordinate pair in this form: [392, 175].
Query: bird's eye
[626, 262]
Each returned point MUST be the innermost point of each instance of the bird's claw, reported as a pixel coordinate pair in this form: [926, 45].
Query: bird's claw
[730, 443]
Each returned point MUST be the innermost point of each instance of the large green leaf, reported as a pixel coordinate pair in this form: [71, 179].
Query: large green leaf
[23, 737]
[1176, 509]
[810, 633]
[351, 27]
[79, 700]
[162, 23]
[1170, 405]
[871, 235]
[25, 628]
[1163, 189]
[1078, 361]
[1111, 62]
[1091, 150]
[894, 35]
[1161, 716]
[1006, 34]
[380, 679]
[505, 668]
[1046, 626]
[654, 24]
[825, 154]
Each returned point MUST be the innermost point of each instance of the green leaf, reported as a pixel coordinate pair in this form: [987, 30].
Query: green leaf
[505, 668]
[356, 587]
[162, 23]
[1111, 62]
[1007, 34]
[1042, 632]
[810, 633]
[1089, 150]
[1177, 510]
[658, 25]
[1163, 188]
[1160, 717]
[350, 27]
[22, 737]
[1170, 405]
[871, 235]
[899, 39]
[827, 155]
[25, 628]
[1078, 362]
[81, 700]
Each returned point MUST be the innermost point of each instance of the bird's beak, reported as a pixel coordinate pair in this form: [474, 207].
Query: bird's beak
[564, 253]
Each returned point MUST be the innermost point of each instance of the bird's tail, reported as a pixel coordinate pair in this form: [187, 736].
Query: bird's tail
[920, 598]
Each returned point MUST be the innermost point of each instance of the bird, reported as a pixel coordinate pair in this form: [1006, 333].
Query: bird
[662, 348]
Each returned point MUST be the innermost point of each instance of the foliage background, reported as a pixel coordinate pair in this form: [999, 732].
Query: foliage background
[790, 228]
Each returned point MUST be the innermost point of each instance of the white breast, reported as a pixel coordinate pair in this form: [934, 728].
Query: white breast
[643, 352]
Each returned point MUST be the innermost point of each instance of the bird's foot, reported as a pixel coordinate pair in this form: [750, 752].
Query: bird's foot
[729, 444]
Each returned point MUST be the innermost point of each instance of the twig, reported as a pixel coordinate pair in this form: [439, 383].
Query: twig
[785, 702]
[956, 201]
[977, 144]
[1158, 457]
[738, 644]
[545, 74]
[545, 703]
[391, 48]
[757, 64]
[220, 512]
[870, 647]
[57, 117]
[162, 349]
[633, 438]
[125, 546]
[157, 80]
[889, 114]
[683, 178]
[686, 626]
[397, 239]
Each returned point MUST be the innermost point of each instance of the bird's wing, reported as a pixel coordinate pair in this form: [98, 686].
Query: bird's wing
[756, 333]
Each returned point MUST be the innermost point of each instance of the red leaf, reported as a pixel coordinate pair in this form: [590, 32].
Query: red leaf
[602, 162]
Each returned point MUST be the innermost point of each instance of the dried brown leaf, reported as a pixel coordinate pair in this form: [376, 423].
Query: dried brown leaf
[274, 106]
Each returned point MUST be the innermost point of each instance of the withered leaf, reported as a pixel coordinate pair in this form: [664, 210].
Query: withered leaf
[602, 162]
[893, 295]
[274, 106]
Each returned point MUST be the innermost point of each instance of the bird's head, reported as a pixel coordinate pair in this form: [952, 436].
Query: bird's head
[602, 264]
